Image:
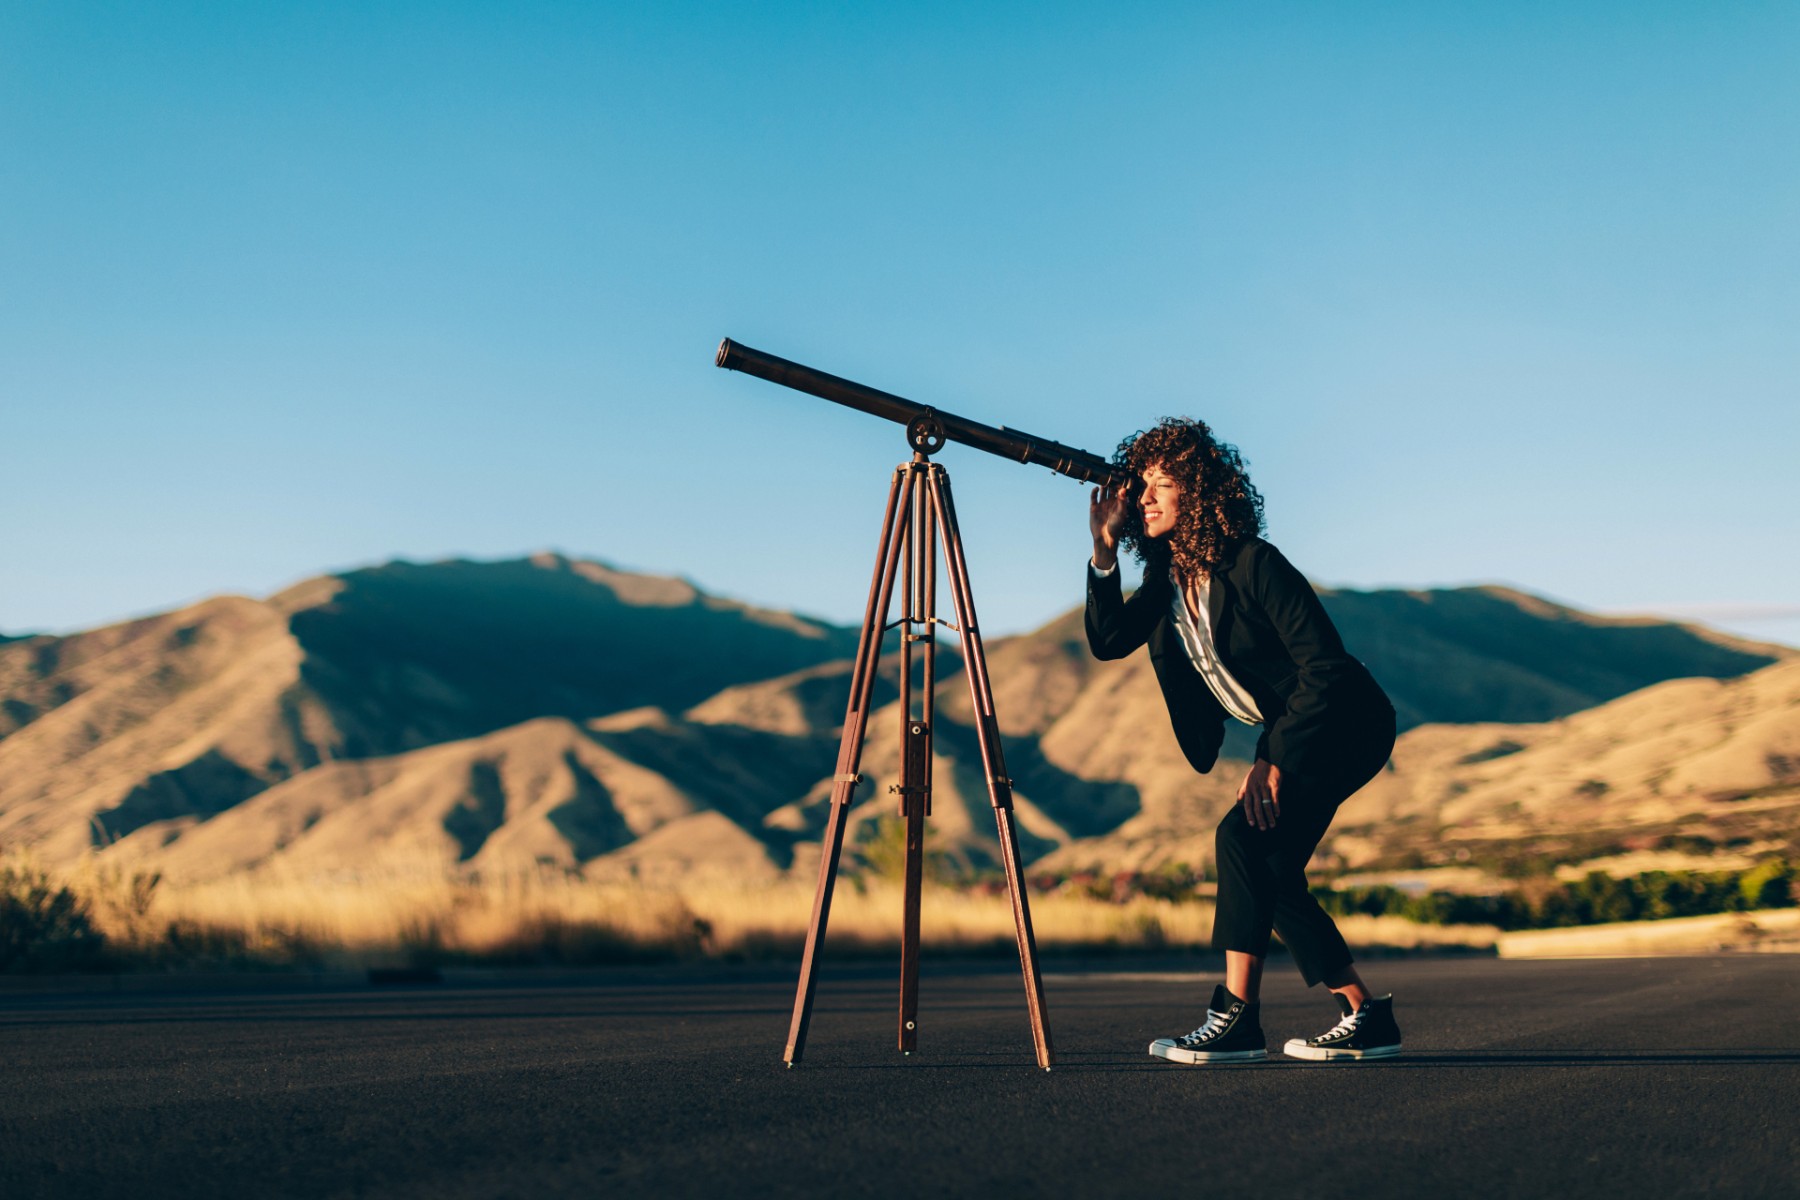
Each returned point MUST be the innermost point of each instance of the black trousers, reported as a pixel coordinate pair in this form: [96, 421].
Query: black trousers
[1262, 873]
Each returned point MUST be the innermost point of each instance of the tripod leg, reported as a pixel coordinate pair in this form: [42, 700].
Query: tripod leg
[856, 721]
[981, 700]
[915, 747]
[917, 758]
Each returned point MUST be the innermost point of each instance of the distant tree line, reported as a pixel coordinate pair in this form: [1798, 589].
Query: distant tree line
[1596, 899]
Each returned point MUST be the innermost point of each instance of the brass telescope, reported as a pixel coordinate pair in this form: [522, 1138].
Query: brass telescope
[1007, 443]
[920, 521]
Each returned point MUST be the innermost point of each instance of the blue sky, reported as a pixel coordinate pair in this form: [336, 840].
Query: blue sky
[1487, 292]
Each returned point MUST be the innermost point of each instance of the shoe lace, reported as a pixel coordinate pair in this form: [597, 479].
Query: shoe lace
[1214, 1024]
[1343, 1028]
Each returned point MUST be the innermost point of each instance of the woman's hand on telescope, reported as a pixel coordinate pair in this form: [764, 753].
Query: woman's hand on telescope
[1260, 794]
[1107, 509]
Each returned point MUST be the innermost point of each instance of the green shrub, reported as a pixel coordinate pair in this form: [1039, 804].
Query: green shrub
[1769, 884]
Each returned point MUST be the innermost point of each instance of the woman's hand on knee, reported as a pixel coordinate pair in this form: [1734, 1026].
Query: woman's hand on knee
[1260, 794]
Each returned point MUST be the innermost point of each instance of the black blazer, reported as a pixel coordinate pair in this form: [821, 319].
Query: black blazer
[1275, 638]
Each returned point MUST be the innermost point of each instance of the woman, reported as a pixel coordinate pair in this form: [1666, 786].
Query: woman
[1236, 632]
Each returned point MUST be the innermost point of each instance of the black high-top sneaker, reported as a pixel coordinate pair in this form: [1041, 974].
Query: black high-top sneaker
[1232, 1032]
[1366, 1032]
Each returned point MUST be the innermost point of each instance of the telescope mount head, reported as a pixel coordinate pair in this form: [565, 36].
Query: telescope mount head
[925, 433]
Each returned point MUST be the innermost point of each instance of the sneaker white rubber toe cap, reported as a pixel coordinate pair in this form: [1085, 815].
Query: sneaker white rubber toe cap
[1168, 1048]
[1300, 1048]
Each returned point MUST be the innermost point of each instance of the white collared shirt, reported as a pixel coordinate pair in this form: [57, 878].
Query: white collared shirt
[1202, 651]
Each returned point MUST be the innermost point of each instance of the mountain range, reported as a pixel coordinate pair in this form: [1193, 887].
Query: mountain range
[492, 716]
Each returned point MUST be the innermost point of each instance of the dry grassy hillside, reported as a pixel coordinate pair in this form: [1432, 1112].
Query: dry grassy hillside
[187, 713]
[1440, 655]
[737, 788]
[149, 729]
[1699, 763]
[489, 717]
[1705, 766]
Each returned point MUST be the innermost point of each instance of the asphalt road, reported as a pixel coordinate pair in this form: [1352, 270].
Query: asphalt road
[1669, 1077]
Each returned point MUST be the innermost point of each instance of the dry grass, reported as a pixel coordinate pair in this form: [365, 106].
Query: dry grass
[1398, 933]
[424, 916]
[867, 917]
[553, 917]
[1765, 931]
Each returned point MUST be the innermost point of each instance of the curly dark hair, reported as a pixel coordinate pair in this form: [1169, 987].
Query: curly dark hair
[1219, 506]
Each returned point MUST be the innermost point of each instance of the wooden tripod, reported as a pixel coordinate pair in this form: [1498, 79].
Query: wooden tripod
[919, 511]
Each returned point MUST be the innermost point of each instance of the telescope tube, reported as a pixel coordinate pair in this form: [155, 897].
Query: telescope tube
[1007, 443]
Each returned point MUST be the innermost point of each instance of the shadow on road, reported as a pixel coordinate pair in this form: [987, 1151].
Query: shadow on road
[1598, 1058]
[1074, 1061]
